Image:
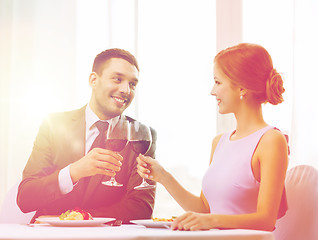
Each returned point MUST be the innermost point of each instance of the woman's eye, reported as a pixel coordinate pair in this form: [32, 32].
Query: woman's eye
[216, 82]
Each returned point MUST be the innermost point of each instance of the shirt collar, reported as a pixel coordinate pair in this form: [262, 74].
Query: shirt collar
[91, 118]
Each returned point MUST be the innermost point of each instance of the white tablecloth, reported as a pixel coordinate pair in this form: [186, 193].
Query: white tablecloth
[124, 232]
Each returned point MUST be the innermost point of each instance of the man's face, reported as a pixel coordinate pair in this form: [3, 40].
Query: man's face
[114, 89]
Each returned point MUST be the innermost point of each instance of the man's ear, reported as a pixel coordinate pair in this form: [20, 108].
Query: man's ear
[93, 79]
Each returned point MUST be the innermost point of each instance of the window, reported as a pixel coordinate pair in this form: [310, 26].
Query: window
[176, 47]
[270, 24]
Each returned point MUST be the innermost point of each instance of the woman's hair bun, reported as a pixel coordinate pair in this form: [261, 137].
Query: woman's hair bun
[274, 88]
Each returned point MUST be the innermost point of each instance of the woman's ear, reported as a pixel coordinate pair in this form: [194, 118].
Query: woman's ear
[243, 92]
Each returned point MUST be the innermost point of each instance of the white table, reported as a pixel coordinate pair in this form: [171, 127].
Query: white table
[124, 232]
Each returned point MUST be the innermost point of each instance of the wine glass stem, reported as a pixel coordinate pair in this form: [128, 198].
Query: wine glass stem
[112, 179]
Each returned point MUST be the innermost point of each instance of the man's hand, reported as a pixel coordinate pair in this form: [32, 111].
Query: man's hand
[97, 161]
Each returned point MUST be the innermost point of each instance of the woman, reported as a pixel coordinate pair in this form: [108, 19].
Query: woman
[244, 184]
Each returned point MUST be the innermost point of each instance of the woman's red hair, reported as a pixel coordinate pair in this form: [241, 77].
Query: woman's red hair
[250, 66]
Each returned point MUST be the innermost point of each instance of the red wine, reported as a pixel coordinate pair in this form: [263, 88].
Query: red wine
[116, 145]
[140, 146]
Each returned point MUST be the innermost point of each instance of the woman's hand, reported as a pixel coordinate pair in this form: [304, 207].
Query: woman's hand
[192, 221]
[150, 168]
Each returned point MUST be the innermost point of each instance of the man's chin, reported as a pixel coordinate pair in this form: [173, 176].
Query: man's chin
[115, 113]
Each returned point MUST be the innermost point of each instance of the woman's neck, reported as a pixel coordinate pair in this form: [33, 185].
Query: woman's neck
[248, 120]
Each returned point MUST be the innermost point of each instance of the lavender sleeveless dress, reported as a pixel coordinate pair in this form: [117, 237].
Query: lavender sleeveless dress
[229, 184]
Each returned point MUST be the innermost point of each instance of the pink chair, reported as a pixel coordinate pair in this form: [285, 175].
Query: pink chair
[301, 219]
[10, 212]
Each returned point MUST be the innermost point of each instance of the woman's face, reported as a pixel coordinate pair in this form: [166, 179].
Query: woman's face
[227, 94]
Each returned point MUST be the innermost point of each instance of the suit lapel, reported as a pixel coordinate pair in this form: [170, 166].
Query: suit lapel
[77, 132]
[92, 185]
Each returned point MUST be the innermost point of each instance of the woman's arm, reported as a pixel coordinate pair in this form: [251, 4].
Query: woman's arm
[151, 169]
[272, 157]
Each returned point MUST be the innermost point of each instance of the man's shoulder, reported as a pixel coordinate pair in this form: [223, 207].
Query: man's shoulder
[68, 114]
[130, 119]
[65, 118]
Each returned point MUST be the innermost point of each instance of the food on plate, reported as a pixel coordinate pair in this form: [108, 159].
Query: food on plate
[156, 219]
[76, 214]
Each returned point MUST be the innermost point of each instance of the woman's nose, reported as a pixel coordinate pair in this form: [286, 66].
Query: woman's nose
[213, 91]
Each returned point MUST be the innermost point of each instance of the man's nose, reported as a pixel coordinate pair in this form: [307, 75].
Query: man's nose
[124, 87]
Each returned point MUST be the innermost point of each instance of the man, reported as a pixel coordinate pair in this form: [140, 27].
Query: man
[63, 172]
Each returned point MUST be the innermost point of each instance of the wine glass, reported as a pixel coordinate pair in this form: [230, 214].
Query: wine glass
[140, 139]
[117, 139]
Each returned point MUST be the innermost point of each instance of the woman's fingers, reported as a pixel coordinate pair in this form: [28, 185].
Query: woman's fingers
[142, 171]
[141, 162]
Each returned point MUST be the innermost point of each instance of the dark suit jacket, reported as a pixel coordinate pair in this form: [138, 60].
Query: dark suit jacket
[61, 141]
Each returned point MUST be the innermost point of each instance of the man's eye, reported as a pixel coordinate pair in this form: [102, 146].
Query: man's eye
[133, 85]
[117, 79]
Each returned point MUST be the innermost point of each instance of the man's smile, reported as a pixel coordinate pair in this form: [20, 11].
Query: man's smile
[120, 100]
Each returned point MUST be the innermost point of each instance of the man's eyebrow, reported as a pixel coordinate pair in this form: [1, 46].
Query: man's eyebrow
[118, 74]
[123, 75]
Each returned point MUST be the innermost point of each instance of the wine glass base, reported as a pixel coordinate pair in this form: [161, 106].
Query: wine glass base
[144, 186]
[112, 184]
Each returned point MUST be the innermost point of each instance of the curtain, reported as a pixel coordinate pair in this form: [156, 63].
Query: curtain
[292, 42]
[304, 143]
[37, 72]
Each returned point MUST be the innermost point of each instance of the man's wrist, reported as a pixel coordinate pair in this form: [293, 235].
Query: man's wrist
[73, 174]
[65, 180]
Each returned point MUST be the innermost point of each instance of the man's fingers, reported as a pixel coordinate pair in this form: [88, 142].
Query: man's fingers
[101, 152]
[108, 166]
[106, 172]
[110, 157]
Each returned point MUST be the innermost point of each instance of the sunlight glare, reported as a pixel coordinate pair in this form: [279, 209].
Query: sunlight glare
[37, 101]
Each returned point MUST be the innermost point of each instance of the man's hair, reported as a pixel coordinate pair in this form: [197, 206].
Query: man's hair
[108, 54]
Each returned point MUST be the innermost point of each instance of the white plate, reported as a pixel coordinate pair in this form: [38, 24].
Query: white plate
[152, 224]
[55, 221]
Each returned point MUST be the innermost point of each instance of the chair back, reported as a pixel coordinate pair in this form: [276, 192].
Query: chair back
[10, 212]
[301, 219]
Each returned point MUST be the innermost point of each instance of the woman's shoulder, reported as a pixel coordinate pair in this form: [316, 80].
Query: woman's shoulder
[217, 139]
[273, 140]
[215, 142]
[274, 135]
